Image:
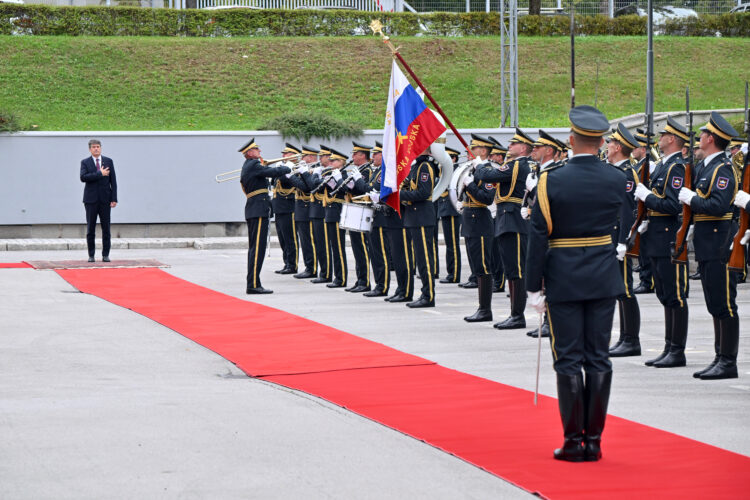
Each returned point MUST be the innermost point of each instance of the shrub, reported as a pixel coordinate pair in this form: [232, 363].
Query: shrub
[9, 122]
[306, 125]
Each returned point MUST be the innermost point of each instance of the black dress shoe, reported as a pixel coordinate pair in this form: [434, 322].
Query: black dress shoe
[279, 271]
[535, 332]
[375, 293]
[701, 372]
[358, 289]
[447, 280]
[394, 296]
[497, 288]
[637, 269]
[400, 298]
[304, 275]
[257, 290]
[643, 288]
[695, 276]
[470, 284]
[321, 280]
[480, 315]
[628, 347]
[91, 259]
[511, 323]
[335, 284]
[105, 258]
[724, 368]
[421, 302]
[288, 270]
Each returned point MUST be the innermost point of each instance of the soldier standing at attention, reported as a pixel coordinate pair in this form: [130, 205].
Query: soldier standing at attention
[657, 239]
[570, 240]
[715, 187]
[254, 179]
[640, 154]
[378, 236]
[333, 160]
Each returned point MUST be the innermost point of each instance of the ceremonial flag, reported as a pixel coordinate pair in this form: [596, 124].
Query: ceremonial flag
[409, 129]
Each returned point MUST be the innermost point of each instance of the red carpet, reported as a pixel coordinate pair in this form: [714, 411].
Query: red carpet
[491, 425]
[13, 265]
[85, 264]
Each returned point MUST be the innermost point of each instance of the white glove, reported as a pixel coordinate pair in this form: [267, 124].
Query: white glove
[536, 300]
[476, 161]
[331, 183]
[317, 170]
[531, 181]
[302, 168]
[621, 251]
[643, 227]
[745, 239]
[350, 184]
[641, 192]
[525, 211]
[468, 179]
[290, 174]
[336, 175]
[741, 199]
[689, 236]
[686, 195]
[356, 175]
[375, 196]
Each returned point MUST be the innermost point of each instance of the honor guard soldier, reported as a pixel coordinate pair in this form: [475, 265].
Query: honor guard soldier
[450, 220]
[640, 154]
[619, 147]
[510, 227]
[332, 204]
[478, 228]
[715, 187]
[254, 180]
[570, 242]
[419, 219]
[317, 216]
[303, 223]
[661, 198]
[497, 155]
[283, 209]
[378, 236]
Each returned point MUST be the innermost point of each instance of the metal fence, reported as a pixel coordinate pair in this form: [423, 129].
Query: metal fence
[549, 7]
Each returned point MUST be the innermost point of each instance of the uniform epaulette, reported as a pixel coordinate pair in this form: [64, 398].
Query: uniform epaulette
[554, 166]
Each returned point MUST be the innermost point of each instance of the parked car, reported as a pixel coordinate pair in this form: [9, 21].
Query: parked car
[743, 7]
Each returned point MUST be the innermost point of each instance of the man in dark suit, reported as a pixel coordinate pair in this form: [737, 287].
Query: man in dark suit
[99, 196]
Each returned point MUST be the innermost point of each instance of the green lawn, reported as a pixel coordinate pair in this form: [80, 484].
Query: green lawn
[150, 83]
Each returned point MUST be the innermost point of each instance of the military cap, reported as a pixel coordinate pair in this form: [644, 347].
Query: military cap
[522, 138]
[719, 126]
[640, 136]
[290, 149]
[249, 145]
[335, 155]
[547, 140]
[675, 128]
[360, 147]
[451, 151]
[737, 142]
[564, 146]
[307, 150]
[479, 141]
[588, 121]
[324, 150]
[624, 137]
[378, 148]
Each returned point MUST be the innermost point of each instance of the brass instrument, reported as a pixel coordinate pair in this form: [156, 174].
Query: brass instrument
[235, 174]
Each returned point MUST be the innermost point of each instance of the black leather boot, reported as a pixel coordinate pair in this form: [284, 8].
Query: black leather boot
[717, 344]
[517, 306]
[667, 337]
[484, 313]
[676, 355]
[595, 401]
[726, 367]
[631, 344]
[570, 401]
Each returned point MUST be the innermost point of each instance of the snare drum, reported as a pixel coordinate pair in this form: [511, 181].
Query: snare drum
[355, 217]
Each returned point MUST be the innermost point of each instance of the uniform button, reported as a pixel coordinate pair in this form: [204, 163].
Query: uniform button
[716, 230]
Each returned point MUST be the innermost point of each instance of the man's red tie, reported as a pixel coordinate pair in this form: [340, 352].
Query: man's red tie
[98, 168]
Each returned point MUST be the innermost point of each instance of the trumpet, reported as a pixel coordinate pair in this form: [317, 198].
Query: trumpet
[235, 174]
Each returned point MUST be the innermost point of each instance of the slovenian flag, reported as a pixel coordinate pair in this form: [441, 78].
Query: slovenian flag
[409, 129]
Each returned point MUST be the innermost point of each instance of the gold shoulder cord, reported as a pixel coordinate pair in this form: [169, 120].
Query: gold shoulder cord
[541, 191]
[502, 198]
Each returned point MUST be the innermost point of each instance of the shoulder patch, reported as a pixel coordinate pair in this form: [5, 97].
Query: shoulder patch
[629, 186]
[722, 183]
[503, 167]
[489, 186]
[676, 182]
[424, 176]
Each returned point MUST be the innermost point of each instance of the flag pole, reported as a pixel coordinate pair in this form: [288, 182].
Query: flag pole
[377, 28]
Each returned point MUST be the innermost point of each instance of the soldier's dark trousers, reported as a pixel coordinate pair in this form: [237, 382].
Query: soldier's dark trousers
[436, 269]
[337, 244]
[285, 230]
[380, 269]
[451, 235]
[645, 274]
[257, 234]
[102, 210]
[307, 244]
[497, 263]
[719, 288]
[402, 262]
[361, 251]
[513, 249]
[671, 282]
[422, 240]
[322, 249]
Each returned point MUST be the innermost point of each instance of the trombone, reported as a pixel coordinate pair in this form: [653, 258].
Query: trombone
[235, 174]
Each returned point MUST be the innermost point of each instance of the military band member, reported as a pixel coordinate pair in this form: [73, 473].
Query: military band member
[283, 209]
[450, 220]
[619, 147]
[303, 223]
[378, 234]
[640, 154]
[255, 185]
[510, 227]
[419, 219]
[478, 227]
[497, 155]
[567, 249]
[715, 187]
[317, 216]
[333, 160]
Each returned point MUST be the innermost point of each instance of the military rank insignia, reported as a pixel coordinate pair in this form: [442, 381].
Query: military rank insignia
[677, 182]
[489, 187]
[629, 186]
[722, 182]
[424, 176]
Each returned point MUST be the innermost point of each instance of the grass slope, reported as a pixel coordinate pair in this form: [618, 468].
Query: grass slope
[150, 83]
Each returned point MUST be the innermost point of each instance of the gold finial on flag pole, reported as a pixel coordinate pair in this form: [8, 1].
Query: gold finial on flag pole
[377, 29]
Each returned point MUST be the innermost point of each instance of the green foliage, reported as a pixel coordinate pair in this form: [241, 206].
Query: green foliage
[307, 125]
[9, 122]
[134, 21]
